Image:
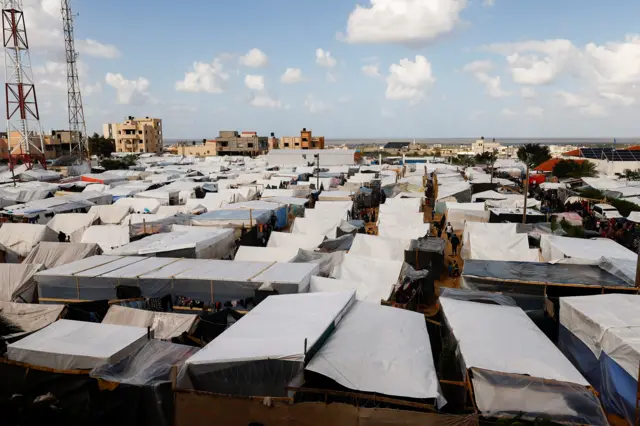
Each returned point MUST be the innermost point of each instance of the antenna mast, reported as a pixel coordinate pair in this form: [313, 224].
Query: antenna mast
[20, 89]
[77, 125]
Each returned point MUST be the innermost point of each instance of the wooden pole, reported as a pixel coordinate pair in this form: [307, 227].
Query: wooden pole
[638, 270]
[526, 194]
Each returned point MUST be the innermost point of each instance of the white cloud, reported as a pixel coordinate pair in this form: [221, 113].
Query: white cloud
[263, 100]
[616, 62]
[409, 79]
[204, 78]
[492, 84]
[507, 112]
[130, 92]
[584, 105]
[618, 98]
[315, 106]
[528, 93]
[534, 111]
[403, 21]
[387, 113]
[371, 70]
[332, 77]
[254, 82]
[488, 3]
[97, 49]
[292, 75]
[255, 58]
[324, 59]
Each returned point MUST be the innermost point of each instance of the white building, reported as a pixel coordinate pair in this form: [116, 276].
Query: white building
[481, 145]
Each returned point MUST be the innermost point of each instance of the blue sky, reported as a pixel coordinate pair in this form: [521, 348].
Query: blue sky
[386, 68]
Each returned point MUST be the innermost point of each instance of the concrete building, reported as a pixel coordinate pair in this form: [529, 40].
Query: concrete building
[136, 135]
[192, 149]
[481, 145]
[230, 142]
[304, 141]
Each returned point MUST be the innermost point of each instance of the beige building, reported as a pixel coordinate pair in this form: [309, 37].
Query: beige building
[304, 141]
[193, 149]
[481, 145]
[136, 135]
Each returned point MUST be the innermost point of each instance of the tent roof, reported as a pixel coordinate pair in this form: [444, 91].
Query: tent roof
[266, 254]
[165, 325]
[30, 317]
[53, 254]
[197, 239]
[16, 280]
[303, 241]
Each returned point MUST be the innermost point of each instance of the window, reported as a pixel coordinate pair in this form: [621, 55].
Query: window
[142, 150]
[286, 144]
[139, 132]
[250, 145]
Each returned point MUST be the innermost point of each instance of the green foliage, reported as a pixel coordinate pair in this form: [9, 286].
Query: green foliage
[533, 154]
[574, 169]
[591, 193]
[101, 146]
[119, 163]
[624, 207]
[630, 174]
[488, 157]
[572, 231]
[464, 160]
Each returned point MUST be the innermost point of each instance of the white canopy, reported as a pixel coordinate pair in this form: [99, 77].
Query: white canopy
[17, 283]
[50, 254]
[107, 237]
[303, 241]
[380, 276]
[164, 325]
[76, 345]
[72, 224]
[382, 350]
[379, 247]
[488, 195]
[555, 248]
[139, 205]
[21, 238]
[266, 254]
[513, 247]
[110, 214]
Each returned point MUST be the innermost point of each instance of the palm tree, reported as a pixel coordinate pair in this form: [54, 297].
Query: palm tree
[532, 155]
[574, 169]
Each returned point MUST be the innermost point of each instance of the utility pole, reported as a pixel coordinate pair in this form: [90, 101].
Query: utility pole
[20, 89]
[77, 124]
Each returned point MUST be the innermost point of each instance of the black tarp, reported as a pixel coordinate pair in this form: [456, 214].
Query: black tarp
[430, 254]
[326, 261]
[338, 244]
[477, 296]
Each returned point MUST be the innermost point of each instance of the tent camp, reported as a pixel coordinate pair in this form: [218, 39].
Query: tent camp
[382, 350]
[17, 282]
[580, 250]
[164, 325]
[75, 345]
[50, 255]
[18, 239]
[72, 224]
[111, 214]
[374, 281]
[139, 205]
[255, 357]
[377, 247]
[600, 335]
[28, 317]
[266, 254]
[512, 369]
[107, 237]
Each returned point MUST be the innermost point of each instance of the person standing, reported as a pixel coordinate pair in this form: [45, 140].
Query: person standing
[455, 242]
[449, 230]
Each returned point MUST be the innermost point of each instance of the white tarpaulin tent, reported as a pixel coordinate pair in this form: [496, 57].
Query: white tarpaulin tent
[72, 224]
[30, 317]
[488, 195]
[325, 226]
[50, 255]
[401, 205]
[399, 224]
[111, 214]
[303, 241]
[510, 357]
[107, 237]
[164, 325]
[578, 250]
[17, 283]
[380, 276]
[18, 239]
[459, 213]
[382, 350]
[379, 247]
[271, 338]
[499, 247]
[266, 254]
[482, 230]
[76, 345]
[371, 292]
[139, 205]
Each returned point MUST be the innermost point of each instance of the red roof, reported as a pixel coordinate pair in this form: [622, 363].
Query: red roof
[574, 153]
[548, 165]
[632, 148]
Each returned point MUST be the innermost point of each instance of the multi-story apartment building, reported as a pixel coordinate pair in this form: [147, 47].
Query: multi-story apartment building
[230, 142]
[304, 141]
[136, 135]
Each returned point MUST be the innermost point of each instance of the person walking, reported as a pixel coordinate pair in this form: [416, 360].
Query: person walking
[449, 230]
[455, 242]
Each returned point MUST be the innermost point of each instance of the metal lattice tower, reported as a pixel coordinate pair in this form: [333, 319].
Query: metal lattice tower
[20, 89]
[77, 125]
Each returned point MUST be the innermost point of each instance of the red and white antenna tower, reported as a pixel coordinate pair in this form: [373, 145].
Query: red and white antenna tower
[20, 89]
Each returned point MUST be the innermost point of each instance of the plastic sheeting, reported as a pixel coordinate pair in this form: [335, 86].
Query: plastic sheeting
[30, 317]
[17, 282]
[504, 339]
[625, 269]
[379, 247]
[197, 243]
[580, 250]
[484, 230]
[111, 214]
[75, 345]
[380, 276]
[266, 254]
[107, 237]
[325, 261]
[265, 349]
[139, 205]
[488, 195]
[303, 241]
[326, 226]
[18, 239]
[382, 350]
[477, 296]
[50, 255]
[233, 218]
[499, 247]
[164, 325]
[72, 224]
[402, 225]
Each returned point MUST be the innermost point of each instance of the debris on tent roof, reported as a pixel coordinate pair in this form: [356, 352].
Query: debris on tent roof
[262, 352]
[382, 350]
[75, 345]
[164, 325]
[266, 254]
[107, 237]
[28, 317]
[50, 254]
[514, 370]
[600, 335]
[196, 243]
[18, 239]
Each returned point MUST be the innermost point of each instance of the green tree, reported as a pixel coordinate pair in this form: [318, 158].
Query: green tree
[532, 155]
[489, 158]
[464, 160]
[574, 169]
[118, 163]
[629, 174]
[101, 146]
